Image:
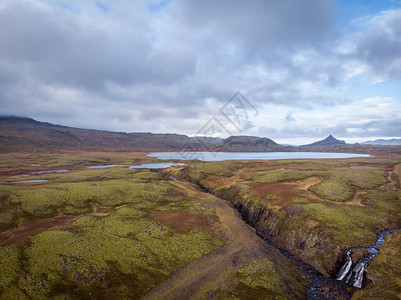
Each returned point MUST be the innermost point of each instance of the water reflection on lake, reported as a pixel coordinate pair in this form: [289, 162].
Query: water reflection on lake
[162, 165]
[156, 165]
[48, 171]
[221, 156]
[107, 166]
[30, 181]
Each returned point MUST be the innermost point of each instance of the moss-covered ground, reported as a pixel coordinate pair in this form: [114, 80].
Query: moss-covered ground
[118, 233]
[114, 247]
[312, 208]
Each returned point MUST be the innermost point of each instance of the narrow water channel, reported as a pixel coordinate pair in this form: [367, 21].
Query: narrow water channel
[319, 287]
[354, 273]
[350, 274]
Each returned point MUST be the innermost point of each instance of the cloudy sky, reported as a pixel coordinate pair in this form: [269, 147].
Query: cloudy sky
[306, 68]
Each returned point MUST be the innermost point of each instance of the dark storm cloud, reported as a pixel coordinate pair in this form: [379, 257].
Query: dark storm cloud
[380, 46]
[59, 48]
[380, 128]
[260, 26]
[191, 51]
[168, 66]
[294, 132]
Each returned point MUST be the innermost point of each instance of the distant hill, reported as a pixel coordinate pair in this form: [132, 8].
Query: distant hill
[21, 134]
[251, 143]
[26, 134]
[208, 140]
[391, 142]
[330, 140]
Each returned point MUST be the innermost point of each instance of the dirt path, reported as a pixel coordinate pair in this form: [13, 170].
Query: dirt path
[201, 278]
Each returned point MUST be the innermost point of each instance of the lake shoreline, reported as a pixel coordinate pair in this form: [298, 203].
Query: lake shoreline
[223, 156]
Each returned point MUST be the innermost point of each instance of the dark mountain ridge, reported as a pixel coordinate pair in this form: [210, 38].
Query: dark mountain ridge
[330, 140]
[22, 134]
[19, 133]
[393, 142]
[251, 143]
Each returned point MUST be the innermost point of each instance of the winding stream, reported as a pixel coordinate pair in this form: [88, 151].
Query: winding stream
[321, 287]
[353, 274]
[349, 273]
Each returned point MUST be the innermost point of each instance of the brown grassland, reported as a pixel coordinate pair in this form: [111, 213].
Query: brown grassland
[314, 209]
[120, 233]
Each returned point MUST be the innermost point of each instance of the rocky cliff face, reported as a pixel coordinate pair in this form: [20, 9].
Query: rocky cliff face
[285, 230]
[288, 203]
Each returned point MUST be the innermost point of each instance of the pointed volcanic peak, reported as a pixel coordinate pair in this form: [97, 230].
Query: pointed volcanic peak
[250, 143]
[330, 140]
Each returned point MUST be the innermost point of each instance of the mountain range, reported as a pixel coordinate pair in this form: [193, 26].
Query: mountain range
[391, 142]
[22, 134]
[330, 140]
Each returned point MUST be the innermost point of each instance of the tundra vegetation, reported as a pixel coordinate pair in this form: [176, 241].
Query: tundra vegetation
[119, 232]
[113, 232]
[315, 209]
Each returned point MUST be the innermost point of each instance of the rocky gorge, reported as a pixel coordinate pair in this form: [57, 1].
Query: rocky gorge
[287, 206]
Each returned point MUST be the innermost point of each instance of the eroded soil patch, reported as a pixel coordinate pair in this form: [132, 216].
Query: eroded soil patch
[181, 220]
[213, 275]
[283, 190]
[20, 235]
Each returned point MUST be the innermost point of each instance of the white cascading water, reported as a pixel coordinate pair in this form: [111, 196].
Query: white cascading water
[358, 271]
[355, 277]
[346, 266]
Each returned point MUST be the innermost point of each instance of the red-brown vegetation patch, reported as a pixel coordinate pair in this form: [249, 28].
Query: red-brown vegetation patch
[278, 165]
[20, 235]
[283, 190]
[315, 165]
[182, 220]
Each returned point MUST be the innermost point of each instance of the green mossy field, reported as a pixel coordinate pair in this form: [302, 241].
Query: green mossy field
[312, 208]
[111, 247]
[102, 233]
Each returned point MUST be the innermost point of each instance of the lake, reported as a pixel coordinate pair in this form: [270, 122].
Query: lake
[49, 171]
[30, 181]
[142, 166]
[220, 156]
[156, 165]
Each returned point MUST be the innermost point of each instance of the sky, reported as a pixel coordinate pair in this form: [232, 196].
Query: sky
[293, 71]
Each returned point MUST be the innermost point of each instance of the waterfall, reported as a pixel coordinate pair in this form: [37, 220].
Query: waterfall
[358, 273]
[346, 266]
[355, 277]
